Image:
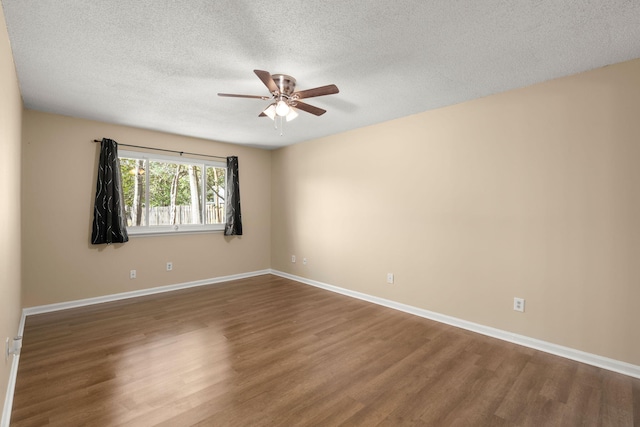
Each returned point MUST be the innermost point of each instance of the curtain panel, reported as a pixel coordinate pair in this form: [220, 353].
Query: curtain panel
[109, 222]
[233, 224]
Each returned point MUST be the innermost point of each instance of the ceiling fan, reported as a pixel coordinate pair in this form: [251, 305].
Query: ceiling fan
[285, 99]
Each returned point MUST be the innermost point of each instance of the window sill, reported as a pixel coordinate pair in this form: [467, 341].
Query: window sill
[165, 231]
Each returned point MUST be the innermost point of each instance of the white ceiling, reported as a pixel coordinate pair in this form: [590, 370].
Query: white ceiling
[159, 64]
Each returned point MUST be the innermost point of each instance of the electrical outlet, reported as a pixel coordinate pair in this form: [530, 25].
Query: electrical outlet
[518, 304]
[304, 261]
[169, 266]
[293, 258]
[389, 278]
[132, 274]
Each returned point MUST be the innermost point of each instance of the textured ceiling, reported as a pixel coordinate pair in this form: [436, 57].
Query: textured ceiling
[160, 64]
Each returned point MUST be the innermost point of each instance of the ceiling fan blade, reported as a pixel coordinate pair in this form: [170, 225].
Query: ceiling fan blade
[262, 114]
[234, 95]
[266, 78]
[309, 108]
[318, 91]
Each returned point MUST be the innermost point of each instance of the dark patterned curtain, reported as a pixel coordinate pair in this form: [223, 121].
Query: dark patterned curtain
[233, 225]
[109, 224]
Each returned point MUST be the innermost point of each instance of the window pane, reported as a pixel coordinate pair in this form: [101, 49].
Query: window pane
[133, 188]
[161, 194]
[215, 195]
[174, 190]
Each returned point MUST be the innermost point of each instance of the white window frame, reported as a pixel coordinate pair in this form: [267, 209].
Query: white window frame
[147, 230]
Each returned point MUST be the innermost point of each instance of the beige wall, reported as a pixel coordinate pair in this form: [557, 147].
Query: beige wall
[10, 128]
[59, 170]
[533, 193]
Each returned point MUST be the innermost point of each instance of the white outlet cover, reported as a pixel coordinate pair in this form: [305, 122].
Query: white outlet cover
[518, 304]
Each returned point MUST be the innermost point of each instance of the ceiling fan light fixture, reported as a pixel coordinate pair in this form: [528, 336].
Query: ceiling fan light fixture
[292, 114]
[282, 108]
[270, 111]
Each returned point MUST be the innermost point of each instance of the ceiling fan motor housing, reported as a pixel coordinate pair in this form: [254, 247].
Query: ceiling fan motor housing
[286, 84]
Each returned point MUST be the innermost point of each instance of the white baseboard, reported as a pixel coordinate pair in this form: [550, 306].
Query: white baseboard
[139, 293]
[558, 350]
[11, 385]
[8, 401]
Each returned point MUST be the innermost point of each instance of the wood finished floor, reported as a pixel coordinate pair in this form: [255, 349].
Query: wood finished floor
[267, 351]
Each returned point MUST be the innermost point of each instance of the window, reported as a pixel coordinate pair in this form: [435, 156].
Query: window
[166, 194]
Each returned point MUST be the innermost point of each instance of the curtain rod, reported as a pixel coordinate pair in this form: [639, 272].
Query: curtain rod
[166, 151]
